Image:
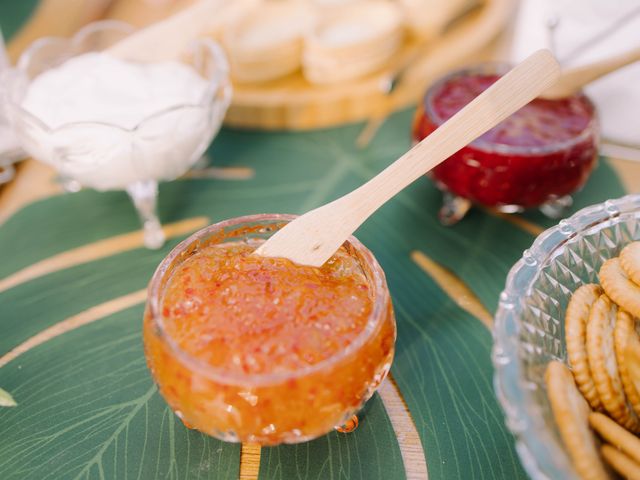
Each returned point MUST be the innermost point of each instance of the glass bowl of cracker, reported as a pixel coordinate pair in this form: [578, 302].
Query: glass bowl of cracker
[567, 346]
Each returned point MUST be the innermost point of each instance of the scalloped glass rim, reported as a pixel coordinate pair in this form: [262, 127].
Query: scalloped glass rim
[218, 84]
[540, 451]
[501, 68]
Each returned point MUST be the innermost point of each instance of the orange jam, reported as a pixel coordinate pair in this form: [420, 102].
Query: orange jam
[263, 350]
[249, 314]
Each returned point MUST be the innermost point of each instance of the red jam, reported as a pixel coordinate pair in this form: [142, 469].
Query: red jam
[263, 350]
[544, 151]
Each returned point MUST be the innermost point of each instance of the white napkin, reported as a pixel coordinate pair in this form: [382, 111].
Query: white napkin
[617, 96]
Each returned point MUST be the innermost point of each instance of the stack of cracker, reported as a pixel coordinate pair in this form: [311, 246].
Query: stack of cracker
[602, 389]
[330, 40]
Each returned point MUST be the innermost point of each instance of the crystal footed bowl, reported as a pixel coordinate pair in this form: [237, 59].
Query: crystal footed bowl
[536, 158]
[111, 156]
[529, 324]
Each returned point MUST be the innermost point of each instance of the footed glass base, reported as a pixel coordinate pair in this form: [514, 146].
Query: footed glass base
[144, 196]
[349, 426]
[558, 207]
[454, 208]
[69, 184]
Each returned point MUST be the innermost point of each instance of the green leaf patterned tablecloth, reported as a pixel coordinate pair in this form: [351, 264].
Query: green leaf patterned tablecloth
[86, 405]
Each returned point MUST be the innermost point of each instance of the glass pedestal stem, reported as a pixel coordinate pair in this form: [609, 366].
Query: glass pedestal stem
[453, 208]
[144, 196]
[557, 207]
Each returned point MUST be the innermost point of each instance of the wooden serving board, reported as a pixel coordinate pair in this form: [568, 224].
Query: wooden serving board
[295, 104]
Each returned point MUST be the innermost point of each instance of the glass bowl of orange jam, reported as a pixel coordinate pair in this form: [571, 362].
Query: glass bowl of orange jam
[253, 349]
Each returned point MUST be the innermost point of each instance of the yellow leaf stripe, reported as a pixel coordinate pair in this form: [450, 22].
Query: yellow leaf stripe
[518, 221]
[413, 456]
[455, 288]
[250, 461]
[221, 173]
[96, 250]
[83, 318]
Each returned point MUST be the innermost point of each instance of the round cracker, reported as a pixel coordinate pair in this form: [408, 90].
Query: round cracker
[619, 288]
[621, 463]
[603, 365]
[571, 412]
[626, 327]
[630, 261]
[632, 358]
[575, 324]
[614, 434]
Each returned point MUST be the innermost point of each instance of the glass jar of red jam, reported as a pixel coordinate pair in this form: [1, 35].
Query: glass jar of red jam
[250, 349]
[535, 158]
